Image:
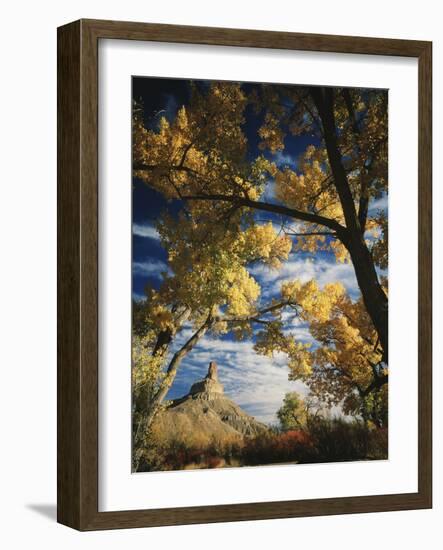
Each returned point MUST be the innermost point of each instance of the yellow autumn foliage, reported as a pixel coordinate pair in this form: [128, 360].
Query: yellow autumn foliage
[346, 349]
[216, 239]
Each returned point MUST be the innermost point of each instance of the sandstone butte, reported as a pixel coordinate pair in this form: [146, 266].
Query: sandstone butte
[205, 415]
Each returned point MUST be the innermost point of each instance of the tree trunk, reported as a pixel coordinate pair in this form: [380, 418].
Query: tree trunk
[172, 371]
[165, 336]
[374, 297]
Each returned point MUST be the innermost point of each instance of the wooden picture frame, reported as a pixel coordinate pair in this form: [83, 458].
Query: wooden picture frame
[77, 481]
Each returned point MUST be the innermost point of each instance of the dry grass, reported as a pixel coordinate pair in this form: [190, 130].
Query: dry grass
[323, 440]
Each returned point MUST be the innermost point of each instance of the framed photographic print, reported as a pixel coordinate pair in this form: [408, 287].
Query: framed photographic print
[237, 337]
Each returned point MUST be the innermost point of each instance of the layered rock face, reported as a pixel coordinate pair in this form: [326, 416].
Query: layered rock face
[206, 415]
[209, 385]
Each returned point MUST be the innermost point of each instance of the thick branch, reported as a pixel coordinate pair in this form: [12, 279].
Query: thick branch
[351, 112]
[257, 314]
[324, 101]
[244, 201]
[373, 295]
[187, 347]
[173, 366]
[275, 208]
[364, 196]
[164, 337]
[376, 384]
[312, 233]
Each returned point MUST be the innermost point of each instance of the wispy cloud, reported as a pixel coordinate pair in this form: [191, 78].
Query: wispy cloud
[145, 230]
[322, 270]
[281, 160]
[151, 267]
[296, 327]
[138, 297]
[171, 107]
[378, 204]
[269, 193]
[258, 384]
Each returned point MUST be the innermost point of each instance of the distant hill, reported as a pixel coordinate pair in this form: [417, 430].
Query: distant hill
[205, 415]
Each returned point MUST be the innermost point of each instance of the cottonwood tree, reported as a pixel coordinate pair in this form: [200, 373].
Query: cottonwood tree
[202, 158]
[344, 368]
[208, 288]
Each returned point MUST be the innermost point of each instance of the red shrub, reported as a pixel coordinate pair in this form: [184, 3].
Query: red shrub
[291, 446]
[213, 461]
[295, 437]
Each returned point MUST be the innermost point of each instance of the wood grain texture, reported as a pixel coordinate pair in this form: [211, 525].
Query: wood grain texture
[78, 272]
[254, 38]
[425, 273]
[68, 276]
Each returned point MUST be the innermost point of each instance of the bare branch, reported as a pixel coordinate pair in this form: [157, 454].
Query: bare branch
[275, 208]
[259, 313]
[312, 233]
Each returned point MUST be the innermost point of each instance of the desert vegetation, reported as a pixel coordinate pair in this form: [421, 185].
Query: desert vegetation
[319, 440]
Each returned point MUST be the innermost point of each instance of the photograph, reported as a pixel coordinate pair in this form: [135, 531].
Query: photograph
[259, 274]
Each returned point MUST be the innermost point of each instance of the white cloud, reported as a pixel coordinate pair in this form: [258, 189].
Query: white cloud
[296, 327]
[145, 230]
[322, 270]
[151, 267]
[269, 193]
[171, 107]
[282, 160]
[378, 204]
[258, 384]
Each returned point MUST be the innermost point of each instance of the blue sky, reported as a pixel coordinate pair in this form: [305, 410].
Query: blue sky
[256, 383]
